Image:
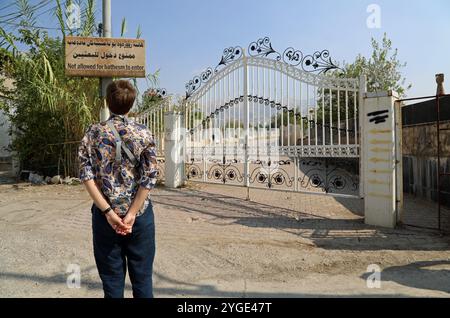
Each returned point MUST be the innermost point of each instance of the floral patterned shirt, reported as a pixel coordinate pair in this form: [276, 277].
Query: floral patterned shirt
[118, 182]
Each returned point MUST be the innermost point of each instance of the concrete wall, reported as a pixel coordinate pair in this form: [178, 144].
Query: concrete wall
[421, 140]
[5, 139]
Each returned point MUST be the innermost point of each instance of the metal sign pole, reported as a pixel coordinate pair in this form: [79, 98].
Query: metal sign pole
[105, 81]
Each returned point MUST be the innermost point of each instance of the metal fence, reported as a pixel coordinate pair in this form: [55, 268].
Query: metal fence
[154, 120]
[434, 145]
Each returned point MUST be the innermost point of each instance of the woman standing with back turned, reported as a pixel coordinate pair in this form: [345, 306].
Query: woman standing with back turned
[118, 169]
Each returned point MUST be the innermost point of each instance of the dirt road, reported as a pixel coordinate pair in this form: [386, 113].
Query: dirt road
[211, 242]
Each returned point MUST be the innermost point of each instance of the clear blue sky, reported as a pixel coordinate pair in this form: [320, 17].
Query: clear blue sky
[184, 37]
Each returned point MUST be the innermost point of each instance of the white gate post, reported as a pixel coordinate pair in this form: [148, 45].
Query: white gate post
[381, 158]
[174, 138]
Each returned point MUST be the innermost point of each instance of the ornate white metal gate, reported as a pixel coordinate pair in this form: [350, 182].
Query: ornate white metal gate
[271, 120]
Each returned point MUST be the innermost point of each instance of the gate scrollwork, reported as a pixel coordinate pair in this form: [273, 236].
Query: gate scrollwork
[319, 62]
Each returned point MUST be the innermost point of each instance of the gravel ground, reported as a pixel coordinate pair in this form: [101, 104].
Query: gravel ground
[213, 243]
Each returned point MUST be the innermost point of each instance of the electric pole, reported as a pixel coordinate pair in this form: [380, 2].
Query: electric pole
[105, 81]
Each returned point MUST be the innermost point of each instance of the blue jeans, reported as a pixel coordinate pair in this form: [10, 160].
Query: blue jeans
[114, 252]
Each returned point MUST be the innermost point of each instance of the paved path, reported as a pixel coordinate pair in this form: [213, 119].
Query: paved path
[211, 242]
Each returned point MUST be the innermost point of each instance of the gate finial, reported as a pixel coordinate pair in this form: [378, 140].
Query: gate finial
[440, 84]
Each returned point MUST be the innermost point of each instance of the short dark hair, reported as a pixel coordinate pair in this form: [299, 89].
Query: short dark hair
[120, 96]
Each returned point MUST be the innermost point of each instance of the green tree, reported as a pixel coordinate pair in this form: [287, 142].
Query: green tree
[152, 98]
[383, 72]
[382, 68]
[49, 112]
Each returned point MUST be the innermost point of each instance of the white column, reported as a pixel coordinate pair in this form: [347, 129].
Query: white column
[174, 138]
[381, 158]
